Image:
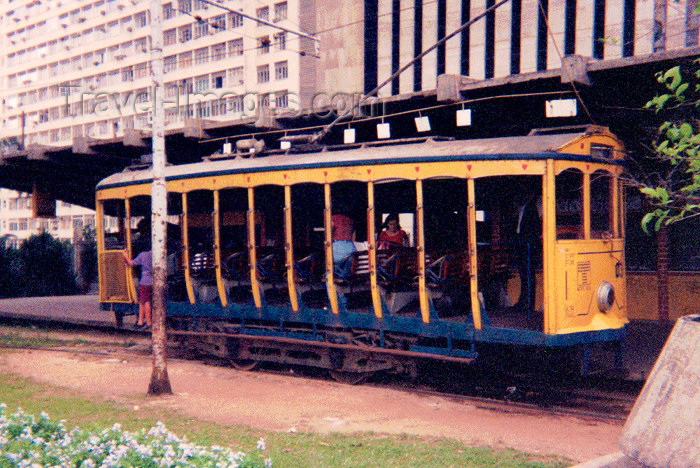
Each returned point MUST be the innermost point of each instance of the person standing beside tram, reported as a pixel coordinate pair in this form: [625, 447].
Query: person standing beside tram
[145, 291]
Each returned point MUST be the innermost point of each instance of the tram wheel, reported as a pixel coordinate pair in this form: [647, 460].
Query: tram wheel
[350, 378]
[244, 364]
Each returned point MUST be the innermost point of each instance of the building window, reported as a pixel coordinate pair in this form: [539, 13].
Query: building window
[127, 74]
[185, 59]
[23, 224]
[235, 20]
[281, 40]
[281, 70]
[141, 70]
[169, 37]
[14, 226]
[201, 56]
[201, 83]
[280, 11]
[168, 11]
[187, 87]
[185, 6]
[217, 81]
[185, 33]
[218, 51]
[170, 63]
[235, 76]
[235, 47]
[264, 45]
[203, 110]
[235, 105]
[282, 99]
[140, 20]
[263, 73]
[201, 29]
[218, 23]
[263, 14]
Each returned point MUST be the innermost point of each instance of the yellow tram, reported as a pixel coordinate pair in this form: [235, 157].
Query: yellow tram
[515, 241]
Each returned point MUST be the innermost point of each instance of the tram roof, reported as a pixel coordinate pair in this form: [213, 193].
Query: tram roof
[537, 146]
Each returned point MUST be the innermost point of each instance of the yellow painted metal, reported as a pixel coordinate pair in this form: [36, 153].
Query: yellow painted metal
[328, 238]
[473, 278]
[372, 241]
[289, 249]
[99, 222]
[582, 144]
[420, 251]
[548, 238]
[114, 274]
[580, 267]
[216, 215]
[252, 252]
[616, 207]
[186, 249]
[586, 206]
[122, 193]
[129, 252]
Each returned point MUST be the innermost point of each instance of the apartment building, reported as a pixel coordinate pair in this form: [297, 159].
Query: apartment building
[81, 68]
[518, 37]
[17, 221]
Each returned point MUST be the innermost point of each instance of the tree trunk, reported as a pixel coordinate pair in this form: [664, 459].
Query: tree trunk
[160, 383]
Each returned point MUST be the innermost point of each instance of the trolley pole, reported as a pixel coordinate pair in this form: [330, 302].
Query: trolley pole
[160, 382]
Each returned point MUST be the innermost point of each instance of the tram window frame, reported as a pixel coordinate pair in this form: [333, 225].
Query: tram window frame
[569, 222]
[114, 208]
[600, 227]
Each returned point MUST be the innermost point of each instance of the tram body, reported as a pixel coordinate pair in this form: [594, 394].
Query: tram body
[250, 249]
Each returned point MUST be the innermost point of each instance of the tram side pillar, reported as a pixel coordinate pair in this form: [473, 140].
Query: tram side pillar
[663, 429]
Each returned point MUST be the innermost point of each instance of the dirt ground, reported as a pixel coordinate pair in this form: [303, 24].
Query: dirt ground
[292, 403]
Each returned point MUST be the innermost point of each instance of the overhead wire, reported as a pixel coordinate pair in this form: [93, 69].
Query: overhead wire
[561, 60]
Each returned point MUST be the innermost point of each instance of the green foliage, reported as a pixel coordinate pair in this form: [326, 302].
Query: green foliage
[45, 267]
[674, 190]
[88, 257]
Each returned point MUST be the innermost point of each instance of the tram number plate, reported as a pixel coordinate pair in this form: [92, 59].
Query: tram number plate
[583, 276]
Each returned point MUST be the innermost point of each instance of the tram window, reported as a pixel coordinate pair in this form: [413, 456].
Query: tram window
[350, 199]
[602, 151]
[200, 206]
[445, 203]
[269, 203]
[233, 207]
[113, 224]
[307, 219]
[569, 203]
[602, 186]
[396, 197]
[140, 223]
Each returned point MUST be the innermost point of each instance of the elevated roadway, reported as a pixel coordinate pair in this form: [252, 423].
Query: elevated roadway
[613, 91]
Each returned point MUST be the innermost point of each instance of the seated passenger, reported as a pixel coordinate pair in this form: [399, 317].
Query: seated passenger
[343, 233]
[392, 235]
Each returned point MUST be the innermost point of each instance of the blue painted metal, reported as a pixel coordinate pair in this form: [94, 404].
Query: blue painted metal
[462, 353]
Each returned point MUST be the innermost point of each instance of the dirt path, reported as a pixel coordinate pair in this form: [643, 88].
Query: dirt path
[282, 403]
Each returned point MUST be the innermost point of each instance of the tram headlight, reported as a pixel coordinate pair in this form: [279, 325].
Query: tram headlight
[605, 296]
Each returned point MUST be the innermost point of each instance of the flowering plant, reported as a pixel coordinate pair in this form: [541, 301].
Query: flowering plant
[27, 441]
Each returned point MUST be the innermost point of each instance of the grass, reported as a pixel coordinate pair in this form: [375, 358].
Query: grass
[285, 449]
[12, 336]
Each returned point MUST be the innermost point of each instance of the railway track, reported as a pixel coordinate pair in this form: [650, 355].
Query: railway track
[602, 399]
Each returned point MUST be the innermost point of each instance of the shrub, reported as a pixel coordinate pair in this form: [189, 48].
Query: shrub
[26, 441]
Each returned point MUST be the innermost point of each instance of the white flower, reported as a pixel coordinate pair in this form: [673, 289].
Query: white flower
[261, 444]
